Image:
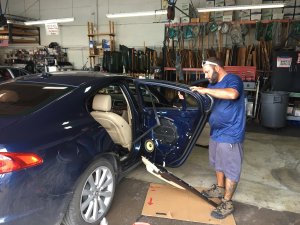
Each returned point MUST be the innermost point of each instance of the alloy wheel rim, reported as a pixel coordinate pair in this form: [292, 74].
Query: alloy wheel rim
[96, 194]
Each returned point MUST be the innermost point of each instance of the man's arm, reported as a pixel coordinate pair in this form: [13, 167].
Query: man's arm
[222, 93]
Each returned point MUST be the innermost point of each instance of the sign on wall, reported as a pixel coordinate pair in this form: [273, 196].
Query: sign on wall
[52, 29]
[284, 62]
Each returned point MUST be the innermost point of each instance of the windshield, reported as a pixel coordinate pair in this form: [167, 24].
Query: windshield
[20, 99]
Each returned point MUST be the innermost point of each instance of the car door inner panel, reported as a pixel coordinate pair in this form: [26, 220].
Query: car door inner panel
[169, 141]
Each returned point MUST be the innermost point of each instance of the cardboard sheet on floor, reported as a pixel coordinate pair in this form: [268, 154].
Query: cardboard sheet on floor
[169, 202]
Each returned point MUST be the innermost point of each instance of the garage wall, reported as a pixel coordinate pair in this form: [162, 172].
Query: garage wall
[132, 32]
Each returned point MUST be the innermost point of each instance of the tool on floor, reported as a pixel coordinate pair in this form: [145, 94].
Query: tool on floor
[170, 178]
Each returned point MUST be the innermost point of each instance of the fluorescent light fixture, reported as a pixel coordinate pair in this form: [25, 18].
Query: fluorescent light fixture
[61, 20]
[241, 7]
[54, 88]
[135, 14]
[87, 89]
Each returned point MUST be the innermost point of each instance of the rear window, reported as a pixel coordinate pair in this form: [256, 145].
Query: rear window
[20, 99]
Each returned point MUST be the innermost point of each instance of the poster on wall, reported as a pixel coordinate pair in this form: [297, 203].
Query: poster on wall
[284, 62]
[52, 29]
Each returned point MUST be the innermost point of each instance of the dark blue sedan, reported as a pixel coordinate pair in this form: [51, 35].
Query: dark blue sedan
[67, 138]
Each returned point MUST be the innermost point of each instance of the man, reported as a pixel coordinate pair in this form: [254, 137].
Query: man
[227, 122]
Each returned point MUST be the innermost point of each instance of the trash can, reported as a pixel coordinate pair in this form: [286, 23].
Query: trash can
[273, 108]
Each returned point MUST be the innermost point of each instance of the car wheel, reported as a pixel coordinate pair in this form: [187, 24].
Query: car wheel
[93, 195]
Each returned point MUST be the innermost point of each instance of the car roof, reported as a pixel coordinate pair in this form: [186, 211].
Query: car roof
[67, 78]
[12, 67]
[8, 67]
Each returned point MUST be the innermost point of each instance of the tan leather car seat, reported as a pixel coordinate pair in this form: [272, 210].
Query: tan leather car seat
[116, 126]
[8, 96]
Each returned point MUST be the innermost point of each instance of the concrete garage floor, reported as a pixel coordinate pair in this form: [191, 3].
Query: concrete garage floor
[268, 193]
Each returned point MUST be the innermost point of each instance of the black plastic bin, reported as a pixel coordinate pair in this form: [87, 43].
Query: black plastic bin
[274, 108]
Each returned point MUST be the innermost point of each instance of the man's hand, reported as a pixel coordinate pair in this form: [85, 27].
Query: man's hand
[180, 96]
[222, 93]
[201, 90]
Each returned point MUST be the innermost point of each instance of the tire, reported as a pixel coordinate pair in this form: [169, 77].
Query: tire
[93, 195]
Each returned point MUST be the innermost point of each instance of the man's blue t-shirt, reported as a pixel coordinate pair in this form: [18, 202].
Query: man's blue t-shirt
[227, 119]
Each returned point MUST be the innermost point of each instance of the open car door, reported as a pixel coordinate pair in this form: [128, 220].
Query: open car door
[170, 125]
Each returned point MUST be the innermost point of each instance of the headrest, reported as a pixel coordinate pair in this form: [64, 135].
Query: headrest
[102, 103]
[8, 96]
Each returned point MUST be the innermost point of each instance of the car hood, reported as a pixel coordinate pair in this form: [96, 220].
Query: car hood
[6, 121]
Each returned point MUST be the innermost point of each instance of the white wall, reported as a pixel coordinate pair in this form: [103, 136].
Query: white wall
[132, 32]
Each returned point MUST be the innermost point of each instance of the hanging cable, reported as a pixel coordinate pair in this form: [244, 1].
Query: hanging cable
[5, 7]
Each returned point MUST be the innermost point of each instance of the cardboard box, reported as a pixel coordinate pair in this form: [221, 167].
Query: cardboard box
[297, 16]
[166, 201]
[256, 16]
[266, 14]
[255, 11]
[195, 20]
[289, 10]
[184, 19]
[246, 18]
[289, 3]
[186, 8]
[288, 16]
[278, 12]
[219, 3]
[204, 17]
[278, 16]
[218, 16]
[227, 16]
[229, 2]
[245, 14]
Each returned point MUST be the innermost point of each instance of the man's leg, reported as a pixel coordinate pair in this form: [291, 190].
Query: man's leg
[234, 160]
[216, 191]
[220, 179]
[230, 187]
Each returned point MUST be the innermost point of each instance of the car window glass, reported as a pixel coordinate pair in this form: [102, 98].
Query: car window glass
[1, 76]
[4, 75]
[23, 73]
[19, 99]
[165, 97]
[132, 89]
[119, 103]
[15, 72]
